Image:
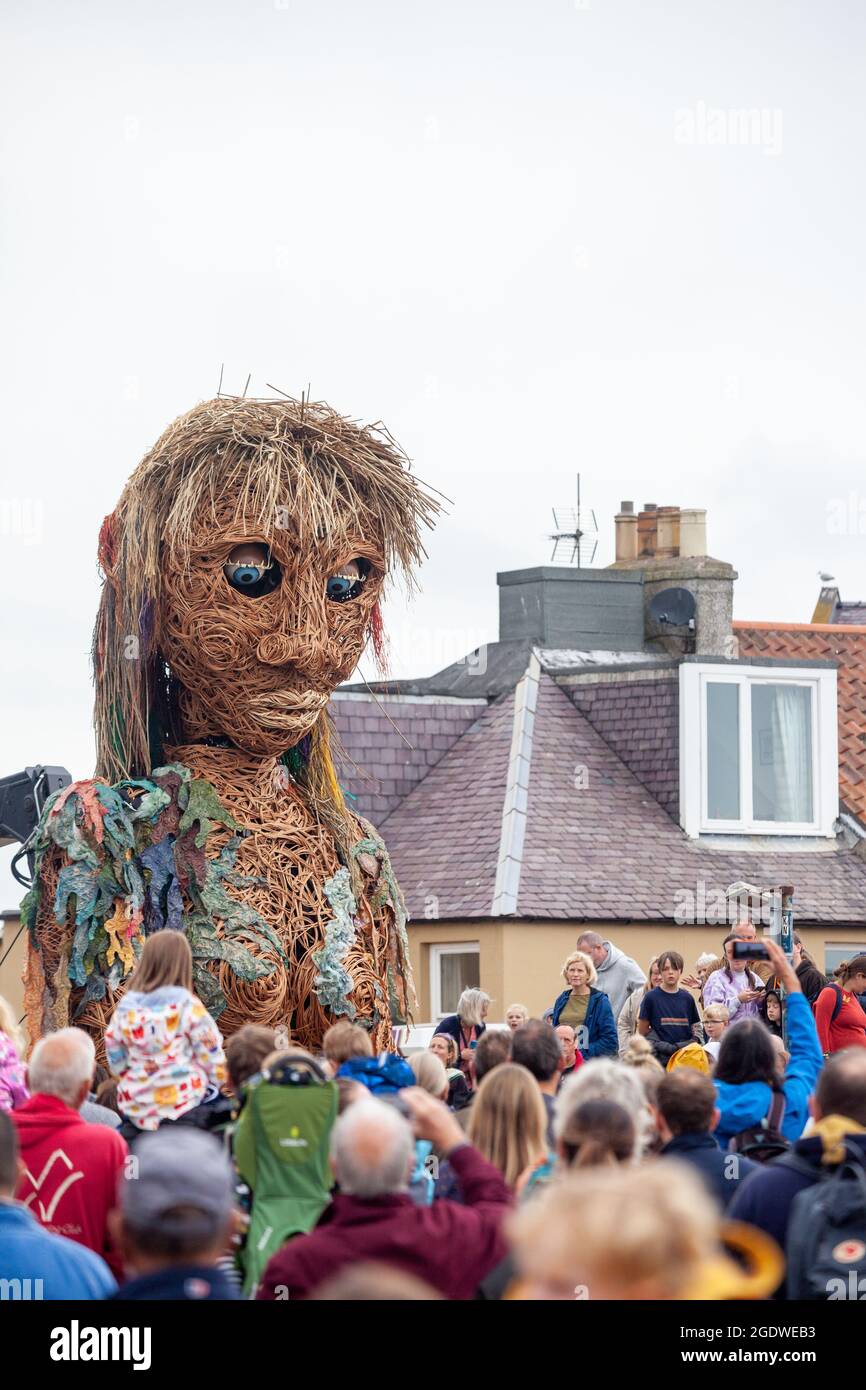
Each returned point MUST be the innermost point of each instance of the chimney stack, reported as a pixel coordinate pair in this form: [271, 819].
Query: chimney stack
[668, 547]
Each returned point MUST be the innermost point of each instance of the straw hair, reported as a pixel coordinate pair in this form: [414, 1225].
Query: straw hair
[165, 960]
[257, 466]
[508, 1121]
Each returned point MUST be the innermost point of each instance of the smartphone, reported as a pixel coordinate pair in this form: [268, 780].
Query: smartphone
[750, 950]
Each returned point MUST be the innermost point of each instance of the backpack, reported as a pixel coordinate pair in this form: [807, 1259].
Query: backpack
[280, 1147]
[825, 1248]
[840, 997]
[692, 1055]
[383, 1076]
[763, 1141]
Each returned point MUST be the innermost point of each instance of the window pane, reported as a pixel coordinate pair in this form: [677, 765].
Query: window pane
[834, 955]
[723, 750]
[782, 753]
[456, 973]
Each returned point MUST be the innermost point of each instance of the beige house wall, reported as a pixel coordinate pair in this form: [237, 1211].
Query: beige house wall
[12, 969]
[521, 961]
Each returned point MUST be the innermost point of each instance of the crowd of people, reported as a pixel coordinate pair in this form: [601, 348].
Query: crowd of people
[655, 1135]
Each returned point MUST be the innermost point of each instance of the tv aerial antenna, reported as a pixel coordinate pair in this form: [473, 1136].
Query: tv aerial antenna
[574, 532]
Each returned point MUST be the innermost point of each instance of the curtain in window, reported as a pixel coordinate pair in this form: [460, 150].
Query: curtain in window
[791, 724]
[457, 972]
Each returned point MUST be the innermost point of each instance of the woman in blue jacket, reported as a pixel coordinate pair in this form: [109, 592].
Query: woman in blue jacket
[586, 1009]
[751, 1067]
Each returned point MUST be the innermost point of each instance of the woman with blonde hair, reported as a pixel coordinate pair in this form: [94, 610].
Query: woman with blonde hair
[585, 1009]
[508, 1121]
[626, 1024]
[430, 1074]
[161, 1042]
[13, 1087]
[466, 1027]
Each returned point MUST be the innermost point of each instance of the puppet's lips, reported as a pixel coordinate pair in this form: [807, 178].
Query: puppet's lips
[285, 709]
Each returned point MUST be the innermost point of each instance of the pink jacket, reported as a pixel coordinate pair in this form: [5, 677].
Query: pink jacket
[720, 989]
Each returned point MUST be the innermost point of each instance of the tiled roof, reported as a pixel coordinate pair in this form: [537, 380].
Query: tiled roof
[597, 845]
[850, 614]
[639, 719]
[826, 641]
[444, 837]
[389, 745]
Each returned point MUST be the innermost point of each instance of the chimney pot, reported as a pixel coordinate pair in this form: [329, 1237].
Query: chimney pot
[625, 526]
[668, 536]
[693, 532]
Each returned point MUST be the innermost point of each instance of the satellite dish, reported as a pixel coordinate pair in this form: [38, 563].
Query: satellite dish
[673, 608]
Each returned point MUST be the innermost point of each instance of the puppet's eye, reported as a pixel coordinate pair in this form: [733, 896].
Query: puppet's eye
[348, 582]
[252, 570]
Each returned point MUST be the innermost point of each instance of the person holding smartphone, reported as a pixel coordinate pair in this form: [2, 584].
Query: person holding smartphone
[736, 985]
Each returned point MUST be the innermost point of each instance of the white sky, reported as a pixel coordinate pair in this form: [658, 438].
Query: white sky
[474, 221]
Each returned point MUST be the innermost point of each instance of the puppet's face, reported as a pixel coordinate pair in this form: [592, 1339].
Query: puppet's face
[259, 630]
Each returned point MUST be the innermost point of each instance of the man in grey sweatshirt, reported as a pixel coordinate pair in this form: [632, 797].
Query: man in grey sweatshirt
[618, 974]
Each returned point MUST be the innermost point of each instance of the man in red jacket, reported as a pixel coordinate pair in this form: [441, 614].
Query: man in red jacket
[372, 1217]
[70, 1168]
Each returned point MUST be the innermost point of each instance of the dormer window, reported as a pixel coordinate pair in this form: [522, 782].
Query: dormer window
[758, 749]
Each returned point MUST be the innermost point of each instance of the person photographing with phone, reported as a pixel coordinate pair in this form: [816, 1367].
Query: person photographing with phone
[736, 985]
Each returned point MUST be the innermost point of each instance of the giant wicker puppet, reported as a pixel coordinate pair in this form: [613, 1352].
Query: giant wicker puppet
[243, 569]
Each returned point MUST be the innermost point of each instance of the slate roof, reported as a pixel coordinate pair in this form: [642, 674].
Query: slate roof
[605, 851]
[564, 804]
[387, 745]
[444, 837]
[845, 644]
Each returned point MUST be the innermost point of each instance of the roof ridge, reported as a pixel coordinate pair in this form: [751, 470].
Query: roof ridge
[514, 806]
[835, 628]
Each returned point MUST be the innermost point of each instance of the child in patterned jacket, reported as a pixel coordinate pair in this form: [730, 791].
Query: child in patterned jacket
[161, 1042]
[13, 1090]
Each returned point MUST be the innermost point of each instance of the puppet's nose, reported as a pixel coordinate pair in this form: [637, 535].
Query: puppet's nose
[279, 649]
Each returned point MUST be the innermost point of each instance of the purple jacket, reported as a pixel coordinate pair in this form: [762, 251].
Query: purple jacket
[719, 989]
[448, 1245]
[13, 1091]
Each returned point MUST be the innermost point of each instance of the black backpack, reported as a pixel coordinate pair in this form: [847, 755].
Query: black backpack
[763, 1141]
[826, 1244]
[837, 989]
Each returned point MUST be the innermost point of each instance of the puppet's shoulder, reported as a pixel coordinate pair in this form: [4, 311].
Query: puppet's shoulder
[97, 842]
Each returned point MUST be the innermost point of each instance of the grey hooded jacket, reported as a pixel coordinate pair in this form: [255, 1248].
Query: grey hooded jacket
[618, 976]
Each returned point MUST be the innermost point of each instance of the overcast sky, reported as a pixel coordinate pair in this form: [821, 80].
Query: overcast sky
[533, 238]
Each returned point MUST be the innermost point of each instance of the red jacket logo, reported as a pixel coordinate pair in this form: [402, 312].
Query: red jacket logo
[54, 1169]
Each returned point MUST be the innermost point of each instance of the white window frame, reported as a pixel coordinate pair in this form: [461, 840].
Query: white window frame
[694, 678]
[446, 948]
